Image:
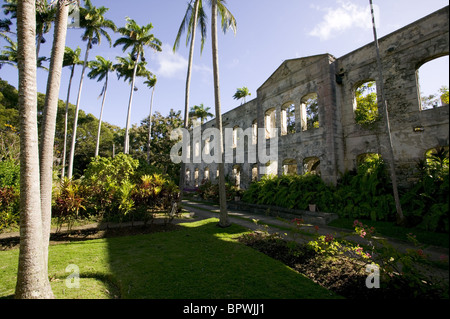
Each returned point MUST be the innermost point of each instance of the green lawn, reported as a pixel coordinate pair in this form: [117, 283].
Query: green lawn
[200, 261]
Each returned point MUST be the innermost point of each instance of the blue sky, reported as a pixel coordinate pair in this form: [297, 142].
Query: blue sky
[269, 32]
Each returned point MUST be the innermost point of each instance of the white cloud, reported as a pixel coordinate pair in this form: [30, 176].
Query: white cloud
[346, 16]
[174, 65]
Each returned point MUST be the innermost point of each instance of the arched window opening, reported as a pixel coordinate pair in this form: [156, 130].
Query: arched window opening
[188, 176]
[235, 136]
[290, 167]
[255, 132]
[433, 83]
[368, 163]
[270, 122]
[311, 165]
[196, 177]
[309, 112]
[288, 119]
[237, 176]
[207, 174]
[255, 172]
[366, 104]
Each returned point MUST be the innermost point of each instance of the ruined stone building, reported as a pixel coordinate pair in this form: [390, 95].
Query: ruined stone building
[330, 140]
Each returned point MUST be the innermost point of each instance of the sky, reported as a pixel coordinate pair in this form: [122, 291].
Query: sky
[268, 33]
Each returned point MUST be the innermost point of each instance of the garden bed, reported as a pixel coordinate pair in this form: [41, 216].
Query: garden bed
[342, 274]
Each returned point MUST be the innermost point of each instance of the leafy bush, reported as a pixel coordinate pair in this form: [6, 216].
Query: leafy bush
[68, 203]
[290, 191]
[9, 206]
[365, 193]
[427, 202]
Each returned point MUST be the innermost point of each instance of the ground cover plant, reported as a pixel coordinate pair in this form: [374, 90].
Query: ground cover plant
[346, 267]
[196, 261]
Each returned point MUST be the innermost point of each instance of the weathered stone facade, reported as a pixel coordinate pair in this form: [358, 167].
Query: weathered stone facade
[339, 140]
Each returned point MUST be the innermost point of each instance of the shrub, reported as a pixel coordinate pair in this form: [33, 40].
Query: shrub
[9, 206]
[68, 203]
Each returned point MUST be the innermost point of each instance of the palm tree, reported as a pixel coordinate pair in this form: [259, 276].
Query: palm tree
[93, 21]
[151, 83]
[136, 38]
[72, 59]
[228, 21]
[194, 16]
[45, 16]
[199, 111]
[241, 93]
[48, 124]
[9, 56]
[100, 69]
[32, 281]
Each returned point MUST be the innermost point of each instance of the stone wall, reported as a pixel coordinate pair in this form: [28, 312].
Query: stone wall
[339, 140]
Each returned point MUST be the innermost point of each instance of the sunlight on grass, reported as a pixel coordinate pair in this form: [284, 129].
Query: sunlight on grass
[199, 261]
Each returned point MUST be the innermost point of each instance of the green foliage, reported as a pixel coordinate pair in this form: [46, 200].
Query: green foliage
[291, 191]
[68, 202]
[427, 202]
[9, 204]
[366, 113]
[362, 194]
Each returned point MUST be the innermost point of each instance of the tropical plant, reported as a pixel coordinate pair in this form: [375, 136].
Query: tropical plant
[72, 59]
[241, 93]
[95, 26]
[32, 281]
[48, 124]
[194, 16]
[200, 112]
[151, 83]
[136, 38]
[228, 21]
[45, 16]
[100, 69]
[9, 56]
[366, 113]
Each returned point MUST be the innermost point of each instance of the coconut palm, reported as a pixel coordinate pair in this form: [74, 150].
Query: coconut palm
[136, 38]
[71, 59]
[9, 56]
[195, 15]
[151, 83]
[100, 69]
[200, 112]
[45, 16]
[241, 93]
[48, 125]
[228, 21]
[32, 281]
[95, 27]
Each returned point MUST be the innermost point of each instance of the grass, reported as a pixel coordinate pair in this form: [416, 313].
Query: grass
[199, 261]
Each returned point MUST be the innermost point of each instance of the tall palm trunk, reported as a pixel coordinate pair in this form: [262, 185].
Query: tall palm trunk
[127, 137]
[187, 93]
[150, 127]
[66, 118]
[49, 122]
[97, 146]
[223, 218]
[31, 279]
[77, 108]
